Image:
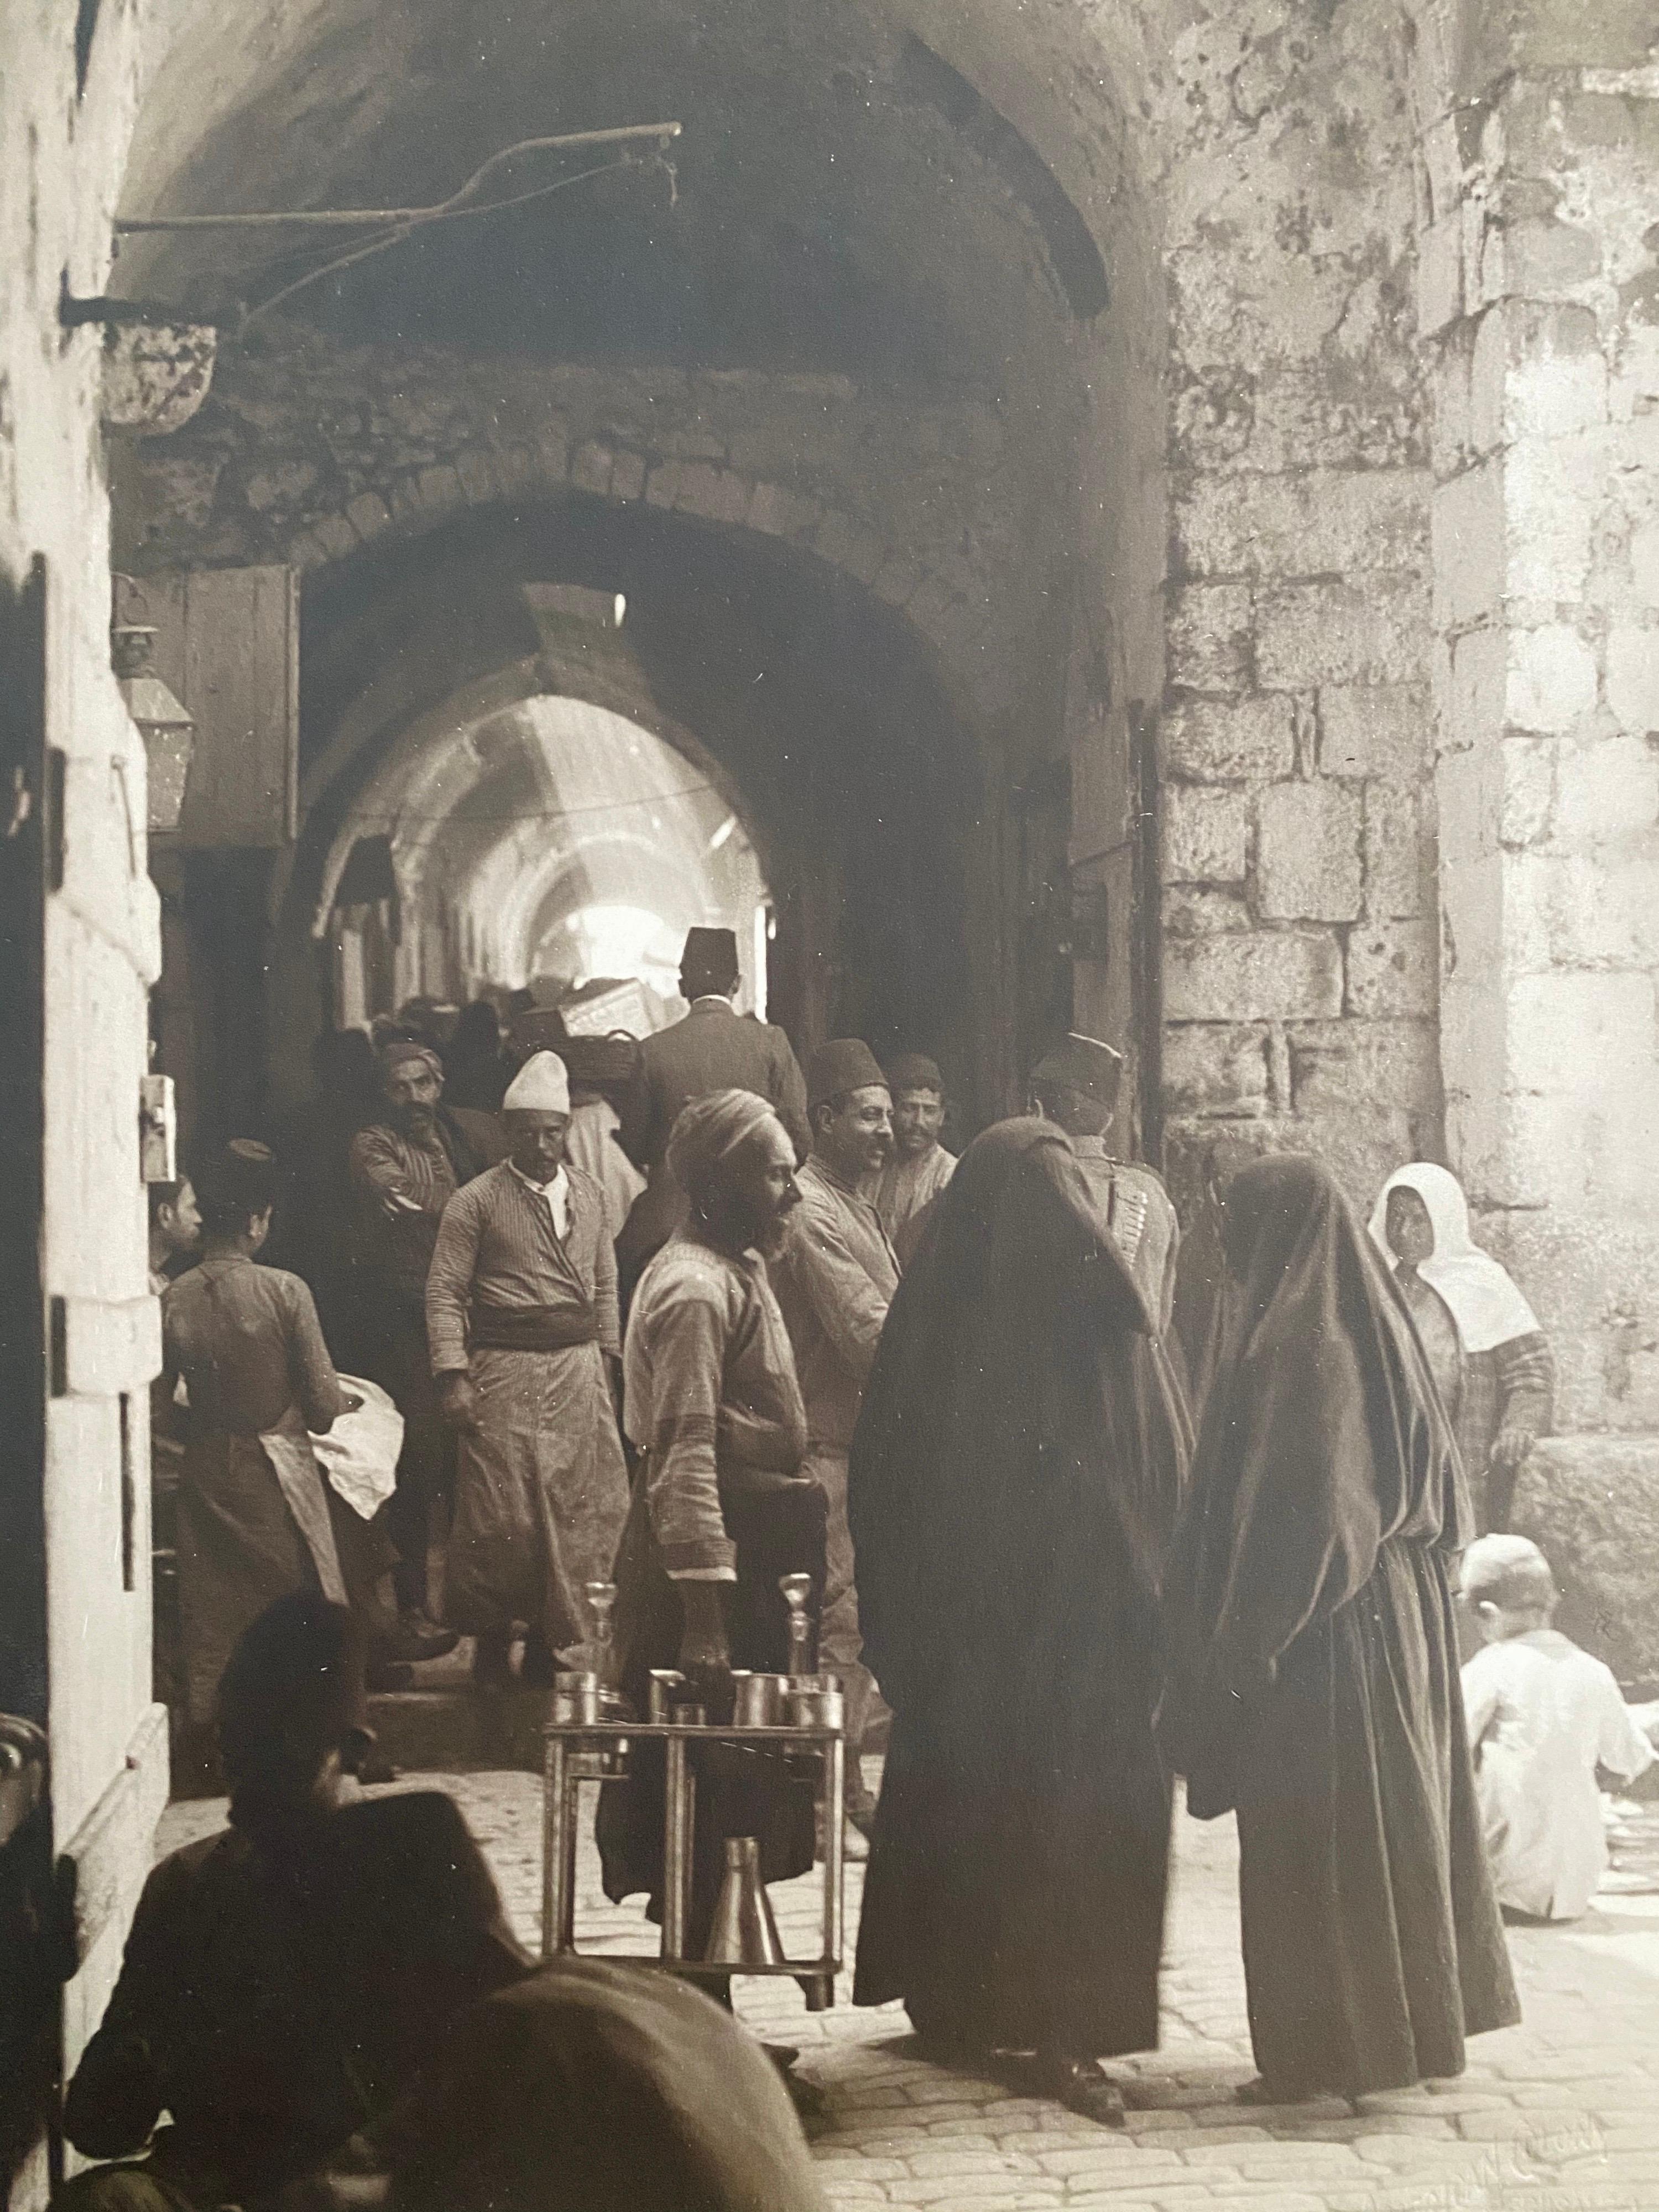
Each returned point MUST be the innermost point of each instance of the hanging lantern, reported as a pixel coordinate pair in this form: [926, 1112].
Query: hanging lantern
[167, 728]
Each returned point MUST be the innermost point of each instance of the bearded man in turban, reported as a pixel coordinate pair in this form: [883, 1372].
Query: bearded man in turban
[721, 1508]
[521, 1316]
[406, 1168]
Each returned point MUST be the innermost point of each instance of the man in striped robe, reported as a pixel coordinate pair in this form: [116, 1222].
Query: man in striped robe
[521, 1318]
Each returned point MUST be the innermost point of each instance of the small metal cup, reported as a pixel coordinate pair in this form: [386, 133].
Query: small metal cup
[817, 1708]
[758, 1699]
[579, 1698]
[665, 1680]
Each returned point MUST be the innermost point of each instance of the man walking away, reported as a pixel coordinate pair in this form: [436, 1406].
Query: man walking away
[711, 1049]
[521, 1315]
[835, 1278]
[920, 1167]
[406, 1168]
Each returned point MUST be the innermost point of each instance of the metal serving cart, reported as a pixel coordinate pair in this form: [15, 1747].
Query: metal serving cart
[591, 1737]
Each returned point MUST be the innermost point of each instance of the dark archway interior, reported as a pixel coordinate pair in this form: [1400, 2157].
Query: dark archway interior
[845, 197]
[859, 787]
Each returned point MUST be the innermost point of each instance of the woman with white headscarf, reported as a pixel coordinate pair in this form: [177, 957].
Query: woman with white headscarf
[1489, 1356]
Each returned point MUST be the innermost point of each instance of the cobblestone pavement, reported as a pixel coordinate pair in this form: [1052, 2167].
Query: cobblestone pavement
[1560, 2114]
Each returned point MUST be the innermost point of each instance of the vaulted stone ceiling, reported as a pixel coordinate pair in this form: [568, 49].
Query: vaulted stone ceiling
[845, 197]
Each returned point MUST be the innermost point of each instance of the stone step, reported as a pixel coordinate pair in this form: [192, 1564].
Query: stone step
[454, 1728]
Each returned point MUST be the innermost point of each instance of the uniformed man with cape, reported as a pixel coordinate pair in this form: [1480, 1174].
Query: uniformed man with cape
[1011, 1509]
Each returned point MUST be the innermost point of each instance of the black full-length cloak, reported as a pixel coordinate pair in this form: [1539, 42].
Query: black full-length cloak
[1010, 1512]
[1314, 1660]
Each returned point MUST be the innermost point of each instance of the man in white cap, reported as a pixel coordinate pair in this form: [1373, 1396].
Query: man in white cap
[521, 1318]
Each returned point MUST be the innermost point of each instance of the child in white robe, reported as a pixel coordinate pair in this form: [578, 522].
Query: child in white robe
[1542, 1716]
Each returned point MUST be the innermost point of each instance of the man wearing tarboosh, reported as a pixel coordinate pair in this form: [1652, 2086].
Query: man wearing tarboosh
[712, 1048]
[1314, 1684]
[1010, 1522]
[521, 1314]
[1490, 1358]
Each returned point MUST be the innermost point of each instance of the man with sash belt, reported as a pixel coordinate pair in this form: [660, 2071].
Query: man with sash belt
[521, 1317]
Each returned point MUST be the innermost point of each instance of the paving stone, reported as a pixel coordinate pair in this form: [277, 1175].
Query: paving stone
[1556, 2115]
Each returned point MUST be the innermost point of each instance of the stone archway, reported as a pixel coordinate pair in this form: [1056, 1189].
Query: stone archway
[814, 710]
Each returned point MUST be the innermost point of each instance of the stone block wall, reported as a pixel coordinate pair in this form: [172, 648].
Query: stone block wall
[309, 450]
[1538, 301]
[65, 141]
[1298, 832]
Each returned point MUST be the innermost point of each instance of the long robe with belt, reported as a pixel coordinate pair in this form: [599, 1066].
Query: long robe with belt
[254, 1518]
[1010, 1511]
[541, 1488]
[1315, 1682]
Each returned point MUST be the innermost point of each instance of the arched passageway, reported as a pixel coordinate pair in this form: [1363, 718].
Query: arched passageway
[795, 705]
[904, 201]
[546, 840]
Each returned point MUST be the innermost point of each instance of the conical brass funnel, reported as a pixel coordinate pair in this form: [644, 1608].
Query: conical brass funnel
[744, 1934]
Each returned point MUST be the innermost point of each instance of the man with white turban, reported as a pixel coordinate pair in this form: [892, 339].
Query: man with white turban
[521, 1317]
[721, 1508]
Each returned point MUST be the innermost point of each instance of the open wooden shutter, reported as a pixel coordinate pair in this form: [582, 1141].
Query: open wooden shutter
[227, 644]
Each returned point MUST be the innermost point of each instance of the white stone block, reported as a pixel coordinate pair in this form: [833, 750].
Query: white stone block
[1439, 274]
[1551, 678]
[1308, 863]
[1479, 682]
[1393, 969]
[1268, 976]
[1645, 563]
[1373, 729]
[1205, 835]
[1246, 741]
[1552, 395]
[1607, 790]
[1396, 862]
[1633, 677]
[1467, 524]
[1584, 1034]
[1551, 492]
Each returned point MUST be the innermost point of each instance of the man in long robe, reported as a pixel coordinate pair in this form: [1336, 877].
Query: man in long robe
[1011, 1513]
[406, 1168]
[920, 1166]
[1075, 1086]
[834, 1276]
[521, 1315]
[721, 1507]
[712, 1048]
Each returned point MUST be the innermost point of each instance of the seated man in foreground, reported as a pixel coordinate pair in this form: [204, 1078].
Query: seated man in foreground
[302, 1994]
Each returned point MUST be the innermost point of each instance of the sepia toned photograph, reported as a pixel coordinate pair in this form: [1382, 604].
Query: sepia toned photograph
[830, 1130]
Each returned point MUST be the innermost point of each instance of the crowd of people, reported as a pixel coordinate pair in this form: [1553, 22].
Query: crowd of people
[679, 1314]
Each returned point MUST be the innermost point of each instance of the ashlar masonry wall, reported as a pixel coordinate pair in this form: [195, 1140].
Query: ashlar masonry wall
[1538, 301]
[309, 450]
[1297, 835]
